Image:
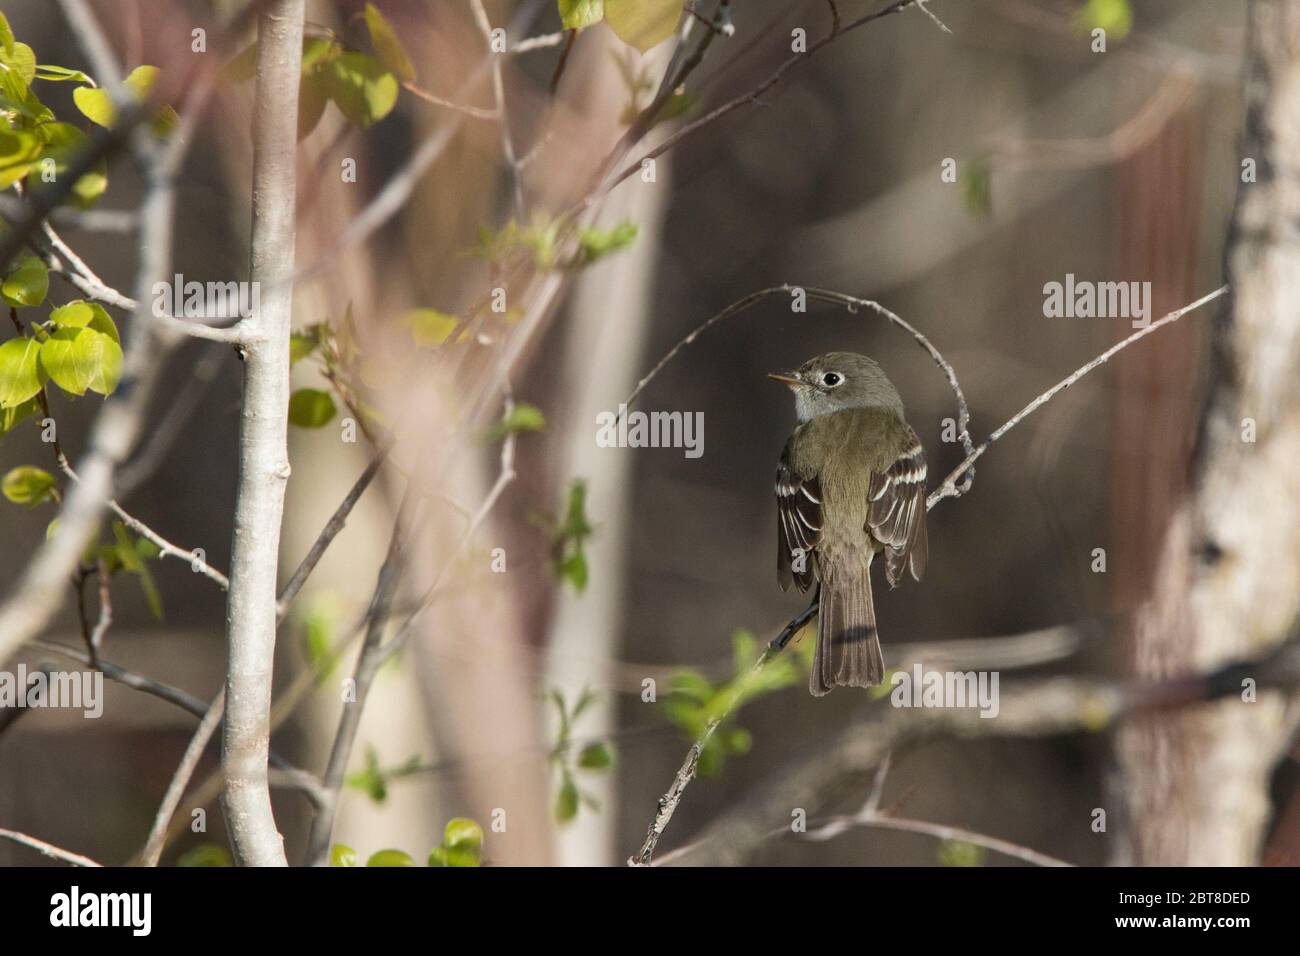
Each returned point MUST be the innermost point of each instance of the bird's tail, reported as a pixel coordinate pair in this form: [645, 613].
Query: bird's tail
[848, 646]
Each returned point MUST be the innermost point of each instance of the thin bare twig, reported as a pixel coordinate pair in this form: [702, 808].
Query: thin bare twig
[375, 651]
[833, 826]
[157, 838]
[1031, 708]
[475, 112]
[48, 849]
[753, 96]
[166, 547]
[503, 114]
[328, 533]
[850, 302]
[950, 488]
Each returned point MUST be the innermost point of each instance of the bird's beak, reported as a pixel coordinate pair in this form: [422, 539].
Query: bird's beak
[785, 378]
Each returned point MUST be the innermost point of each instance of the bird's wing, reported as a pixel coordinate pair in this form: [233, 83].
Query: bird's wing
[799, 524]
[897, 512]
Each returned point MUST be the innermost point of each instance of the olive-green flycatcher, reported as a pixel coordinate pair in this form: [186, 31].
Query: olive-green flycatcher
[851, 483]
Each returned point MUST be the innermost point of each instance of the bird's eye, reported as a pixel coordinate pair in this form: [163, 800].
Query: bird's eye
[831, 379]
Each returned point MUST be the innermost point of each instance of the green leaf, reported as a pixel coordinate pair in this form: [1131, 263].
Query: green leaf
[81, 359]
[131, 559]
[574, 570]
[311, 408]
[62, 145]
[342, 855]
[429, 326]
[597, 243]
[97, 106]
[6, 36]
[976, 184]
[320, 632]
[643, 23]
[12, 415]
[370, 779]
[18, 63]
[596, 756]
[737, 740]
[58, 74]
[568, 537]
[360, 87]
[20, 375]
[391, 858]
[446, 856]
[206, 854]
[27, 284]
[243, 65]
[304, 342]
[579, 14]
[87, 190]
[566, 801]
[462, 833]
[958, 853]
[387, 46]
[81, 314]
[28, 485]
[1113, 16]
[18, 150]
[312, 97]
[522, 418]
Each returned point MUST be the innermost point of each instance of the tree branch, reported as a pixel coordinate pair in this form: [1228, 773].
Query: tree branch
[263, 442]
[1032, 708]
[48, 849]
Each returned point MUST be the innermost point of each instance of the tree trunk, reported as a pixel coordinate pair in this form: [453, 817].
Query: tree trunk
[1228, 584]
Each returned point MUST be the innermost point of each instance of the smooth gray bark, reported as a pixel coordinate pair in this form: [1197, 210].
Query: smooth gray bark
[263, 451]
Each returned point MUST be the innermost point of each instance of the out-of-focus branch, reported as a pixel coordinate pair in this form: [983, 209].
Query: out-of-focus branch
[503, 115]
[363, 676]
[146, 461]
[375, 651]
[753, 96]
[38, 592]
[1033, 708]
[85, 220]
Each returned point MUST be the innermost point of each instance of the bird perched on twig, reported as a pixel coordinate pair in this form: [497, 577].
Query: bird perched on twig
[850, 484]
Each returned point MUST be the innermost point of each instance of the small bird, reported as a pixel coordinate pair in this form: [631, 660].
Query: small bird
[850, 483]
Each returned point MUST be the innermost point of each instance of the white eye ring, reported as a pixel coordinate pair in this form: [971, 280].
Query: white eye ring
[832, 379]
